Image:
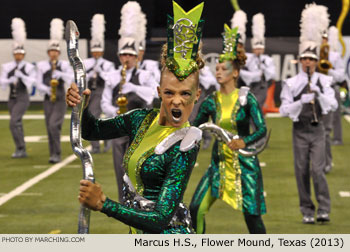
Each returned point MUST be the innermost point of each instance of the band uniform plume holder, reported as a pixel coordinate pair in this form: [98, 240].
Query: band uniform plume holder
[72, 37]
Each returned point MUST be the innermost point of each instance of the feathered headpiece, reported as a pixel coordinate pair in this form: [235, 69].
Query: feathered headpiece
[97, 33]
[258, 31]
[230, 40]
[19, 35]
[239, 20]
[142, 31]
[333, 38]
[129, 28]
[184, 32]
[56, 34]
[314, 21]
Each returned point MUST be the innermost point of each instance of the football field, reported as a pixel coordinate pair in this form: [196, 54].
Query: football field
[38, 197]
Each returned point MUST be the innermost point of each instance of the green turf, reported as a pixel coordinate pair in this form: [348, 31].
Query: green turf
[58, 207]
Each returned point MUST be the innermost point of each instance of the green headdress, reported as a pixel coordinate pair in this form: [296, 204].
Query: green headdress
[230, 40]
[184, 32]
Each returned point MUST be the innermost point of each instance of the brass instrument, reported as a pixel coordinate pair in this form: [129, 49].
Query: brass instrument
[314, 120]
[53, 82]
[324, 64]
[122, 100]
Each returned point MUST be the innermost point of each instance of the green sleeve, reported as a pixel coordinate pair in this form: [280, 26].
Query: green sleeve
[175, 182]
[101, 129]
[206, 110]
[258, 120]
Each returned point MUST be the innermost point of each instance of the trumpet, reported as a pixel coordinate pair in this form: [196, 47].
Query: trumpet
[314, 120]
[122, 100]
[53, 82]
[324, 64]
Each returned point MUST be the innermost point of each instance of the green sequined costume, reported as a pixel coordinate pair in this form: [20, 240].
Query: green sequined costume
[162, 178]
[246, 185]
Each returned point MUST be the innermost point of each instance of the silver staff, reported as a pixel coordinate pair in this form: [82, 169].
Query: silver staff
[72, 36]
[226, 136]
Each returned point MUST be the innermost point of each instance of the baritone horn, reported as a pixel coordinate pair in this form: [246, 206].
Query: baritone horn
[122, 100]
[53, 82]
[324, 64]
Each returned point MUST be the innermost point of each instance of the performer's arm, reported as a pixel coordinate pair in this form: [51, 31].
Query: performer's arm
[326, 97]
[29, 78]
[106, 101]
[171, 194]
[269, 68]
[338, 70]
[206, 110]
[289, 107]
[258, 120]
[43, 89]
[4, 81]
[250, 77]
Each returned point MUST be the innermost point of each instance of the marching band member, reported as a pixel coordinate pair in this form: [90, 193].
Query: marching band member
[332, 64]
[235, 179]
[51, 78]
[96, 68]
[139, 87]
[259, 69]
[305, 98]
[19, 75]
[163, 146]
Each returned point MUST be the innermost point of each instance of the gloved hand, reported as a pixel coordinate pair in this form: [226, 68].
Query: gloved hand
[90, 74]
[128, 88]
[57, 74]
[19, 74]
[98, 68]
[307, 98]
[13, 79]
[47, 90]
[316, 89]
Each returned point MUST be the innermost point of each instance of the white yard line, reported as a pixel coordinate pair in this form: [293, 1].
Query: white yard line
[273, 115]
[344, 194]
[30, 117]
[26, 185]
[347, 118]
[26, 194]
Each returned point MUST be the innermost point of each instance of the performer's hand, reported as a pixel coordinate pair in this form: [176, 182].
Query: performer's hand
[91, 195]
[19, 74]
[316, 89]
[236, 144]
[13, 79]
[307, 98]
[128, 88]
[73, 98]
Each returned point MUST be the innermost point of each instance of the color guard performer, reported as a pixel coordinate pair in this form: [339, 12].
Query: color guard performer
[19, 75]
[305, 98]
[259, 68]
[52, 76]
[139, 86]
[97, 68]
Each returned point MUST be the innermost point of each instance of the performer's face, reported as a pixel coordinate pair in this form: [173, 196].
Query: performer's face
[178, 98]
[96, 55]
[308, 62]
[225, 72]
[18, 57]
[53, 54]
[258, 51]
[129, 58]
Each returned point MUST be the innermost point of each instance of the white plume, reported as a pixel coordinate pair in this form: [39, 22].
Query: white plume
[333, 38]
[314, 20]
[130, 20]
[56, 29]
[18, 31]
[142, 27]
[97, 29]
[240, 19]
[258, 27]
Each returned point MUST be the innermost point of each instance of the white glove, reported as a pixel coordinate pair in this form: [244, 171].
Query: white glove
[307, 98]
[57, 74]
[91, 74]
[47, 90]
[97, 68]
[128, 88]
[316, 89]
[19, 74]
[13, 79]
[104, 75]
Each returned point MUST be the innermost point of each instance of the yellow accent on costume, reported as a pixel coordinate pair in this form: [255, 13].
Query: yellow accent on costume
[229, 167]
